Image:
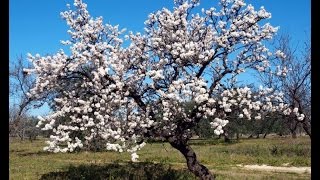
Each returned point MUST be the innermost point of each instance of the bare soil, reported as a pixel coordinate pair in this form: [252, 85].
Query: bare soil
[277, 168]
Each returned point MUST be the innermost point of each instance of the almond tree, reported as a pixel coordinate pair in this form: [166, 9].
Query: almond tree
[295, 83]
[127, 95]
[20, 84]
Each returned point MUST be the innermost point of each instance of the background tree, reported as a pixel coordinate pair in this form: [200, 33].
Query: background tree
[20, 124]
[295, 84]
[16, 123]
[125, 96]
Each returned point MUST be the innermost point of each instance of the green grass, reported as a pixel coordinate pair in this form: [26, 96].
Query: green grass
[161, 161]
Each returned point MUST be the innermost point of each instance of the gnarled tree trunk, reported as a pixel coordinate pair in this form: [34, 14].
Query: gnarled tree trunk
[193, 164]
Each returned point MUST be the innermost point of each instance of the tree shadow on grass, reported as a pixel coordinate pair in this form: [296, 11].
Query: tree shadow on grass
[38, 153]
[201, 142]
[126, 171]
[17, 150]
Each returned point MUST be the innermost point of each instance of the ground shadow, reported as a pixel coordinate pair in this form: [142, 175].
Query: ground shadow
[126, 171]
[17, 151]
[201, 142]
[38, 153]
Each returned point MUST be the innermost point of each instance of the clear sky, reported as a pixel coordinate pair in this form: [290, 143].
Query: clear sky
[35, 26]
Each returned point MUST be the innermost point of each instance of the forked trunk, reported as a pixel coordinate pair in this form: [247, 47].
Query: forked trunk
[193, 164]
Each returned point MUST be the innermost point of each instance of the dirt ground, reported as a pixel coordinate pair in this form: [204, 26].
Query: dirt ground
[277, 168]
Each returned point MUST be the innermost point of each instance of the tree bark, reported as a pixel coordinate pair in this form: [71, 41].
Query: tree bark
[306, 128]
[293, 128]
[226, 138]
[193, 164]
[265, 134]
[293, 134]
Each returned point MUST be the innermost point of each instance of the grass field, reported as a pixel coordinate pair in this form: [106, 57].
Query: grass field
[160, 161]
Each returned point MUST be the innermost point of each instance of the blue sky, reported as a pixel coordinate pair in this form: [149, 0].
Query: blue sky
[35, 26]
